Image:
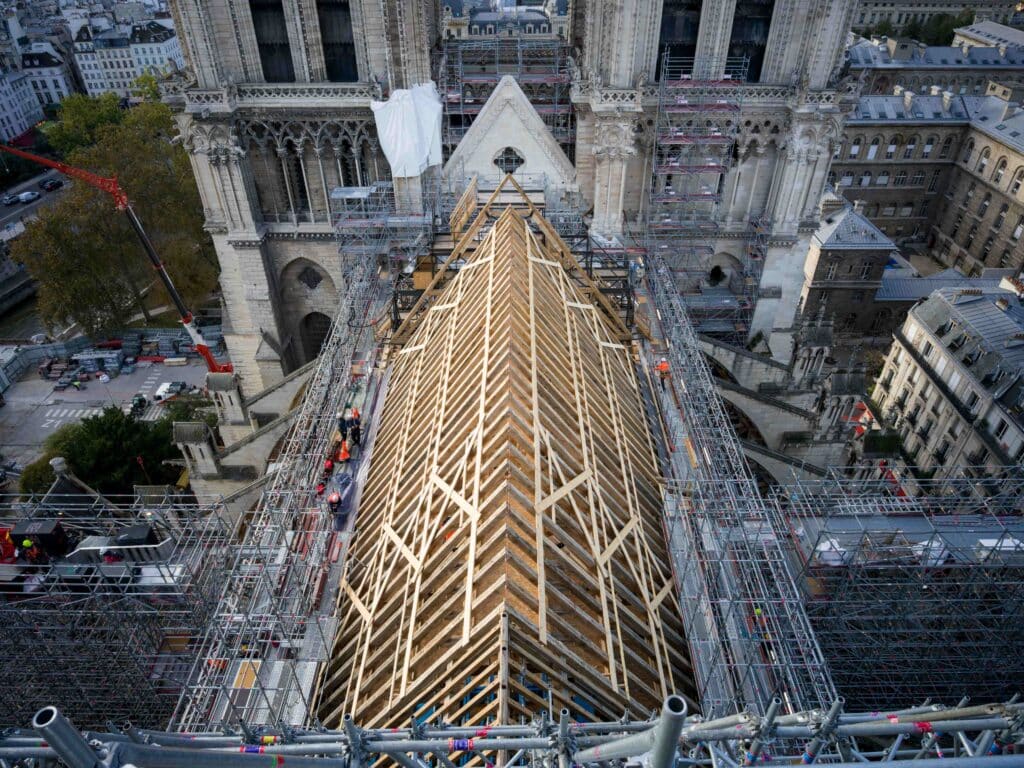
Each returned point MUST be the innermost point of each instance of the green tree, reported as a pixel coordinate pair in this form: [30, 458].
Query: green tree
[940, 29]
[80, 119]
[884, 28]
[90, 267]
[146, 88]
[913, 29]
[112, 451]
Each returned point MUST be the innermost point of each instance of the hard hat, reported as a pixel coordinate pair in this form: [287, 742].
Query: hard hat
[664, 360]
[27, 543]
[334, 497]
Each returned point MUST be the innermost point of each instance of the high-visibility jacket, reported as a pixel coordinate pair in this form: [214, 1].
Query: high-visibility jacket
[662, 367]
[343, 454]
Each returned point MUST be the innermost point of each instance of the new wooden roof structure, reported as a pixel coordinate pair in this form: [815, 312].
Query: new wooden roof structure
[510, 555]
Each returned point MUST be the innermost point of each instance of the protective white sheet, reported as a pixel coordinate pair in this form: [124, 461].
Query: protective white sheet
[409, 129]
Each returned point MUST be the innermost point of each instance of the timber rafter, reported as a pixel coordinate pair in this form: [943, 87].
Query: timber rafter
[510, 555]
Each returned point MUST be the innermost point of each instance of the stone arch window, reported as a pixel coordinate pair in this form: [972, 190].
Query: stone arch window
[894, 143]
[947, 147]
[855, 148]
[929, 145]
[983, 160]
[873, 149]
[1000, 217]
[997, 174]
[985, 202]
[910, 148]
[508, 160]
[310, 278]
[1018, 180]
[968, 151]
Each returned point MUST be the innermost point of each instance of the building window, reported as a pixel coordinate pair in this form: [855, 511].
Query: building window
[751, 23]
[1018, 230]
[1004, 258]
[917, 180]
[983, 160]
[933, 184]
[865, 179]
[1018, 180]
[1001, 428]
[272, 40]
[997, 176]
[969, 240]
[509, 160]
[947, 147]
[890, 151]
[986, 249]
[865, 270]
[1000, 217]
[908, 151]
[847, 179]
[855, 148]
[883, 179]
[338, 43]
[985, 202]
[873, 149]
[831, 273]
[922, 209]
[956, 225]
[968, 151]
[970, 192]
[900, 179]
[929, 145]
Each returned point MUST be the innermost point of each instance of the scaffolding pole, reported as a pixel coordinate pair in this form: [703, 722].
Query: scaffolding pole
[106, 623]
[275, 623]
[986, 736]
[699, 108]
[928, 587]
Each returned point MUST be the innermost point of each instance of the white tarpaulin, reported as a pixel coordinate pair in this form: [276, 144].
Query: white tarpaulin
[409, 129]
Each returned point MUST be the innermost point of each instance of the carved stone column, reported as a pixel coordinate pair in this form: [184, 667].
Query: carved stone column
[713, 36]
[614, 145]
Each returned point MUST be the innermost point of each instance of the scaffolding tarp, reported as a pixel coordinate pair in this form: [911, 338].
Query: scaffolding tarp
[409, 128]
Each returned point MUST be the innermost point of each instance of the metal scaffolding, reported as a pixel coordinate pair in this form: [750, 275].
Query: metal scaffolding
[750, 639]
[274, 624]
[468, 71]
[913, 595]
[985, 736]
[106, 621]
[699, 106]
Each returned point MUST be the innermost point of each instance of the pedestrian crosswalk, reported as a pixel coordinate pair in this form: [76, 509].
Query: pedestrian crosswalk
[72, 413]
[57, 417]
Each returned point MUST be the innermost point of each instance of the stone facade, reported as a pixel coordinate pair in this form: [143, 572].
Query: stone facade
[276, 113]
[899, 14]
[844, 268]
[944, 171]
[950, 384]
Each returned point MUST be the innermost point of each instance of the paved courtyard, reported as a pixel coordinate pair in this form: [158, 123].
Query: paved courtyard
[34, 410]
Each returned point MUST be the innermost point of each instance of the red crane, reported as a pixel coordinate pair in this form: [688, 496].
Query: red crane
[113, 188]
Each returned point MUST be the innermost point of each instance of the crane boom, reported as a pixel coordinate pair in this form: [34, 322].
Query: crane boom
[112, 187]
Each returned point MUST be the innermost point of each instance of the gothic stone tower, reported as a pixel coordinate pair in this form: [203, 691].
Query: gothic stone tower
[275, 113]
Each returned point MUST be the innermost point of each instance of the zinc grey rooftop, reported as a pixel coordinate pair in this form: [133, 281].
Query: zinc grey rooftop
[848, 229]
[993, 33]
[898, 288]
[876, 55]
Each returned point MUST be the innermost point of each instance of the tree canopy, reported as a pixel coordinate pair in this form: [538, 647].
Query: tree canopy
[80, 119]
[105, 451]
[89, 264]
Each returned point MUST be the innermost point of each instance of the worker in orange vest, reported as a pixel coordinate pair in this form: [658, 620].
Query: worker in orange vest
[328, 468]
[662, 369]
[343, 452]
[333, 502]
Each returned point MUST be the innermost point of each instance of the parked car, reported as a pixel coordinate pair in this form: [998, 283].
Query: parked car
[168, 390]
[51, 184]
[10, 199]
[29, 197]
[139, 403]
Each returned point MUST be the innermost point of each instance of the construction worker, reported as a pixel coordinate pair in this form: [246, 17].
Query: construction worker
[343, 453]
[357, 435]
[32, 553]
[320, 488]
[354, 419]
[342, 424]
[333, 502]
[328, 468]
[662, 369]
[111, 557]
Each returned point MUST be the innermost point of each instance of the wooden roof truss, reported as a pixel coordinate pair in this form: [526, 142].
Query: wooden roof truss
[510, 555]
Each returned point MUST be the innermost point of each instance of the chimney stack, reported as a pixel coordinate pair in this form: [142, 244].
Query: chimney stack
[858, 207]
[908, 100]
[947, 100]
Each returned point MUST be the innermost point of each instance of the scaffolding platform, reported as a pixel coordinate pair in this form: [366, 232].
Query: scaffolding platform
[106, 623]
[927, 583]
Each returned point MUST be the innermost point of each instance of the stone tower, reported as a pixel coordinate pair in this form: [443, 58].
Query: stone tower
[275, 112]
